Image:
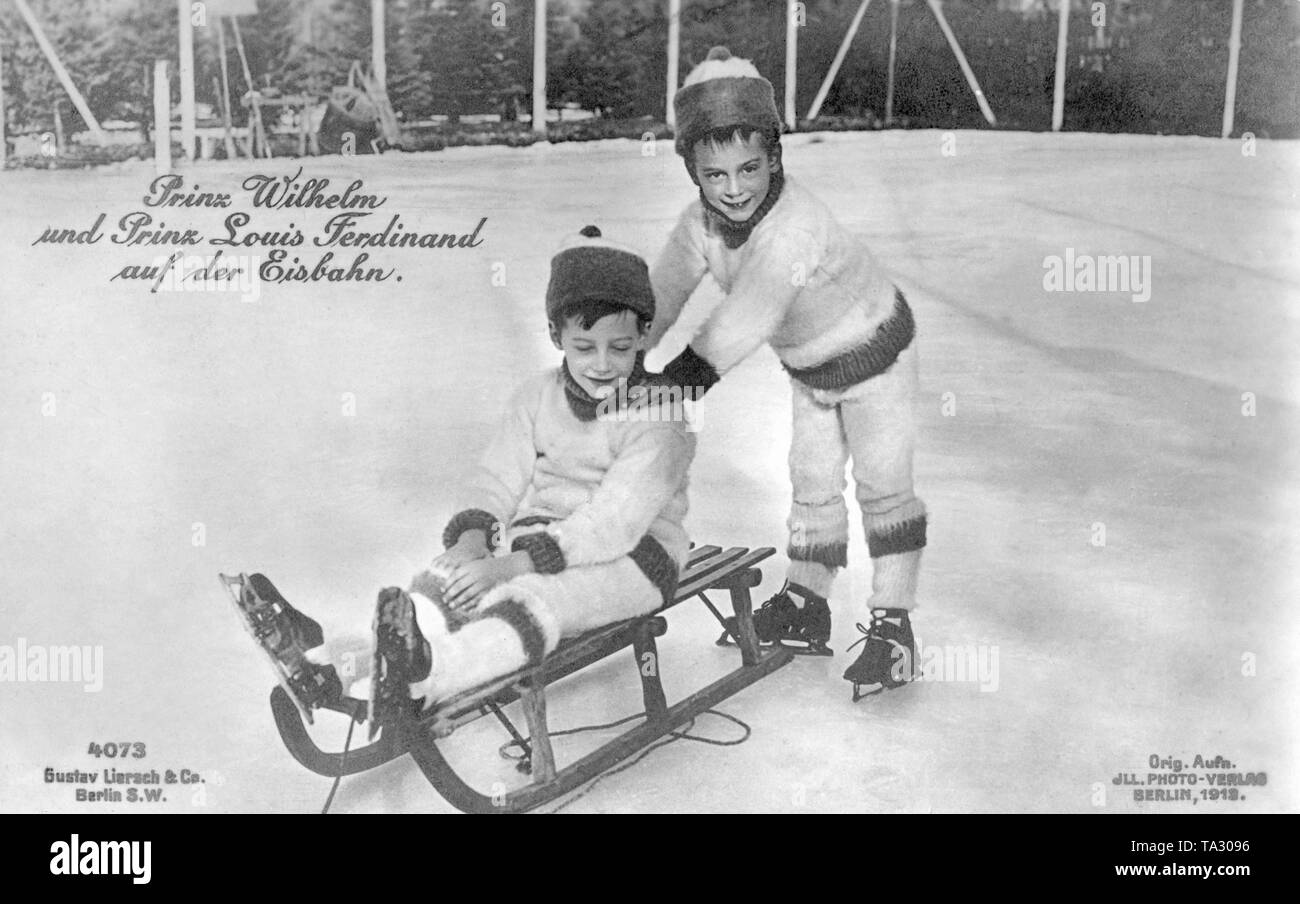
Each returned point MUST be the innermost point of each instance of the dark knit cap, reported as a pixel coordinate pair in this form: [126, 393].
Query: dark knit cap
[589, 267]
[721, 92]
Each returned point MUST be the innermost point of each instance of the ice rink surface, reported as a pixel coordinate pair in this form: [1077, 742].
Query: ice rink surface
[1112, 515]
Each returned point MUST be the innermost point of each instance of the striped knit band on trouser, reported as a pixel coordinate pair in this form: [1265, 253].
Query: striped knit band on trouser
[658, 567]
[899, 530]
[819, 538]
[895, 539]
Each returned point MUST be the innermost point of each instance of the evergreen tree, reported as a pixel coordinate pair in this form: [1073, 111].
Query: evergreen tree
[604, 69]
[408, 85]
[109, 52]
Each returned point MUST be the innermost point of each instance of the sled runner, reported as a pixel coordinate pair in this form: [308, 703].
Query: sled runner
[709, 568]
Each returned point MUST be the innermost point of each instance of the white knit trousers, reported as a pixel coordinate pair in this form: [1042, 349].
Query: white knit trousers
[523, 620]
[874, 424]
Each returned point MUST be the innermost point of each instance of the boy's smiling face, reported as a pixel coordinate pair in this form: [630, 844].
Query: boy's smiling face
[735, 177]
[601, 355]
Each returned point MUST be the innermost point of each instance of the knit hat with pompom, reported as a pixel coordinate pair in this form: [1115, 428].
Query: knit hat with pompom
[720, 92]
[589, 267]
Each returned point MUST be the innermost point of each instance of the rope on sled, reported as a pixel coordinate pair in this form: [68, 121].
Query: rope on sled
[677, 735]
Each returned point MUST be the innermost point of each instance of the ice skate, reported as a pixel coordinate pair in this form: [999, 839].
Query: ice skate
[285, 635]
[804, 631]
[888, 658]
[402, 656]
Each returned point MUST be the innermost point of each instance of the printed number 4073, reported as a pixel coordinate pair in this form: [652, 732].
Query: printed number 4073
[119, 749]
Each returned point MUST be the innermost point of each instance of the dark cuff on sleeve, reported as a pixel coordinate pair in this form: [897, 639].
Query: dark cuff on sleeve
[470, 519]
[689, 369]
[541, 547]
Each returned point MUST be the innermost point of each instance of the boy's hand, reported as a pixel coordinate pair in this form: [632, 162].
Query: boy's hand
[472, 545]
[470, 580]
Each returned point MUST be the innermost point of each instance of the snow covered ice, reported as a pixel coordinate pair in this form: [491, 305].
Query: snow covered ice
[1111, 481]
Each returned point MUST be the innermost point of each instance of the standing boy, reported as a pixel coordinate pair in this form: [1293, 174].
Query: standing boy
[798, 281]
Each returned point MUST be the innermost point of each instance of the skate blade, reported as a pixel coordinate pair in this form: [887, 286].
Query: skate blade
[798, 648]
[859, 694]
[235, 586]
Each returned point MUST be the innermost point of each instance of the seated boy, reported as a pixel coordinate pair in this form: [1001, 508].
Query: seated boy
[587, 496]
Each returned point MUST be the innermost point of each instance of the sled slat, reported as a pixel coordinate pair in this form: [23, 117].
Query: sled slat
[712, 568]
[699, 553]
[692, 585]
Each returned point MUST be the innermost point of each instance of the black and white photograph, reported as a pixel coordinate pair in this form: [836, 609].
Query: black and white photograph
[650, 407]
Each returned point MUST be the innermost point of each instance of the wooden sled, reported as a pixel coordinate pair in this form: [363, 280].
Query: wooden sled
[709, 568]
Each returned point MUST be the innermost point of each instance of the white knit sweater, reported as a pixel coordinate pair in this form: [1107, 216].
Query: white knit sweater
[605, 483]
[801, 283]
